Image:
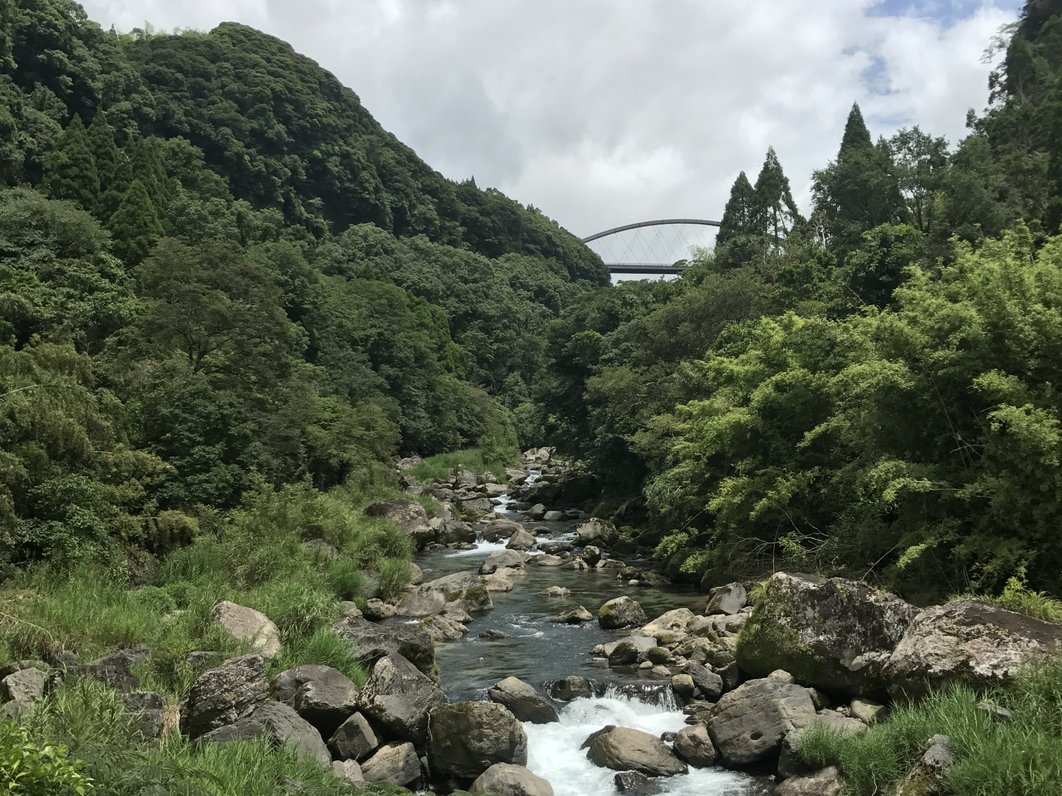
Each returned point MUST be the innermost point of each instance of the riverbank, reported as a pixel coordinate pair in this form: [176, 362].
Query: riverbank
[521, 641]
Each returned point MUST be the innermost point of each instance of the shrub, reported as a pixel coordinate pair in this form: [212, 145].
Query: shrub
[31, 769]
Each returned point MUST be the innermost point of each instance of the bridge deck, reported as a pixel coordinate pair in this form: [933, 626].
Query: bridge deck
[644, 268]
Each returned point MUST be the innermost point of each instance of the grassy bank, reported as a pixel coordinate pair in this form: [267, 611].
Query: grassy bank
[476, 460]
[258, 556]
[1023, 758]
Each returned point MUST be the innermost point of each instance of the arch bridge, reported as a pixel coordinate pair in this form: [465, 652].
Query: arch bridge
[629, 250]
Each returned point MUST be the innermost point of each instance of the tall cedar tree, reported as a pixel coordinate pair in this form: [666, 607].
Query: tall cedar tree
[859, 190]
[105, 154]
[735, 245]
[135, 225]
[775, 211]
[71, 169]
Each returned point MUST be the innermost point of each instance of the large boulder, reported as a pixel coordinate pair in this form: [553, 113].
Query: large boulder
[467, 738]
[22, 688]
[620, 612]
[826, 782]
[694, 745]
[503, 559]
[397, 698]
[573, 687]
[371, 641]
[326, 700]
[749, 723]
[629, 650]
[507, 779]
[148, 710]
[280, 724]
[224, 695]
[675, 621]
[408, 515]
[249, 626]
[727, 600]
[354, 739]
[523, 701]
[523, 539]
[626, 749]
[833, 634]
[596, 531]
[397, 764]
[462, 590]
[970, 642]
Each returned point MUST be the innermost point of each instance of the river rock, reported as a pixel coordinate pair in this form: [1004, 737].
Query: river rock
[628, 650]
[926, 776]
[500, 581]
[674, 621]
[523, 701]
[506, 779]
[503, 559]
[396, 763]
[249, 626]
[553, 547]
[728, 599]
[694, 745]
[620, 612]
[467, 738]
[866, 710]
[537, 511]
[354, 739]
[452, 532]
[371, 642]
[596, 531]
[835, 634]
[573, 687]
[475, 507]
[574, 616]
[377, 609]
[408, 515]
[556, 591]
[970, 642]
[397, 698]
[823, 783]
[326, 700]
[224, 695]
[547, 561]
[442, 628]
[636, 784]
[707, 682]
[460, 589]
[748, 723]
[348, 770]
[626, 749]
[149, 710]
[278, 723]
[521, 540]
[22, 688]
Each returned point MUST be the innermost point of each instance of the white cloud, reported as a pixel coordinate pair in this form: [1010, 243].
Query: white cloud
[602, 112]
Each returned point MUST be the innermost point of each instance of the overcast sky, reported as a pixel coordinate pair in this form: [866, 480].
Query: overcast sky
[602, 112]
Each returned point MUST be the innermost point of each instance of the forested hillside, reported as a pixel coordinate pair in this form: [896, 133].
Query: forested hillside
[218, 273]
[871, 390]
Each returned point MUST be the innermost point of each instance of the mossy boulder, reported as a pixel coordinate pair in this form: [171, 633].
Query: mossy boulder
[621, 612]
[834, 634]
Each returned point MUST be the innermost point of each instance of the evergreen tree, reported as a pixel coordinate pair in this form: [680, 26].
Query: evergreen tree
[858, 191]
[70, 170]
[105, 155]
[736, 243]
[135, 225]
[775, 213]
[147, 165]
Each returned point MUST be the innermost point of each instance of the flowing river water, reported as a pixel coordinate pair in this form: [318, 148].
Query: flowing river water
[539, 651]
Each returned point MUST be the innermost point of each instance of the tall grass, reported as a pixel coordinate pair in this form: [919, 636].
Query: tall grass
[476, 460]
[1023, 758]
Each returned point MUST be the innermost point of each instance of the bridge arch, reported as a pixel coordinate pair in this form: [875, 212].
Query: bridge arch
[648, 267]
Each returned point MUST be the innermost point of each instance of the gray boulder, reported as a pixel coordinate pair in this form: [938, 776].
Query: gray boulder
[371, 642]
[224, 695]
[694, 745]
[503, 559]
[673, 622]
[970, 642]
[595, 532]
[149, 710]
[475, 507]
[927, 775]
[629, 650]
[348, 770]
[397, 698]
[467, 738]
[521, 540]
[823, 783]
[523, 701]
[408, 515]
[354, 739]
[23, 687]
[462, 590]
[573, 687]
[396, 763]
[621, 612]
[728, 599]
[326, 700]
[626, 749]
[573, 616]
[443, 628]
[834, 634]
[506, 779]
[705, 680]
[636, 783]
[280, 724]
[749, 723]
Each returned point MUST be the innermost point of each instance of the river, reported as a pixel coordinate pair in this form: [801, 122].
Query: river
[539, 651]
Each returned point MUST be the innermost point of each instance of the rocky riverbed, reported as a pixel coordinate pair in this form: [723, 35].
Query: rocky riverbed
[529, 660]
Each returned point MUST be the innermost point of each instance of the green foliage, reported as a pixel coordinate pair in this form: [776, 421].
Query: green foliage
[992, 759]
[31, 769]
[71, 168]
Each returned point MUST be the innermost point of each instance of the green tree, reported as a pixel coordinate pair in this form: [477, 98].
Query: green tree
[105, 155]
[71, 169]
[135, 225]
[737, 241]
[775, 213]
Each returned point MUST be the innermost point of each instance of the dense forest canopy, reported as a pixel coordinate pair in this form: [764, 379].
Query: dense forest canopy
[218, 271]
